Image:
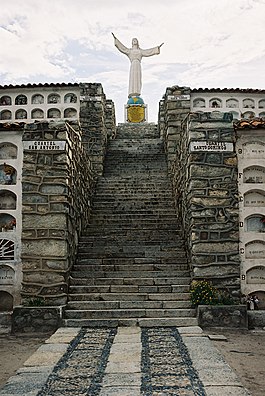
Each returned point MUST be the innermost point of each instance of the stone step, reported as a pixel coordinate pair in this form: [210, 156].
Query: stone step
[130, 252]
[128, 313]
[129, 297]
[103, 305]
[142, 322]
[129, 265]
[129, 281]
[114, 288]
[95, 232]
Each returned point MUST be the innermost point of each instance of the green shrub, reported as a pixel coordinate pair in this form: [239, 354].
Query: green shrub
[204, 293]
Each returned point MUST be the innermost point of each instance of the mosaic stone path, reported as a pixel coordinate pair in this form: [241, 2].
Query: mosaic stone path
[166, 365]
[81, 369]
[126, 361]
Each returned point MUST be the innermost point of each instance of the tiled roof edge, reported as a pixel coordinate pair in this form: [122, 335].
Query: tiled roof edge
[235, 90]
[39, 85]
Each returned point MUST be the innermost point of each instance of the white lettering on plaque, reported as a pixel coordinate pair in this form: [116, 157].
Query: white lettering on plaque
[47, 145]
[211, 146]
[7, 275]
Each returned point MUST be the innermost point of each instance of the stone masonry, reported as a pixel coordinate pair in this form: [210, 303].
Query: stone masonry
[57, 189]
[203, 166]
[97, 118]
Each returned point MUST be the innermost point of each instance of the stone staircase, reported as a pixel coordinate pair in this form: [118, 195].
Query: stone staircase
[132, 267]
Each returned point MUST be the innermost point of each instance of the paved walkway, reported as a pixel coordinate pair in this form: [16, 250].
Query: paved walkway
[127, 361]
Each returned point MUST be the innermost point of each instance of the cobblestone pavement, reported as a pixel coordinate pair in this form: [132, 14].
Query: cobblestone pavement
[128, 361]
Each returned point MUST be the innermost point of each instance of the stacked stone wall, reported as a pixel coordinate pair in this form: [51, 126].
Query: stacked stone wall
[110, 119]
[57, 186]
[202, 163]
[93, 122]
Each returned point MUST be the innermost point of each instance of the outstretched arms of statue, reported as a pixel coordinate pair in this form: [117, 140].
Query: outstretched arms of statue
[120, 46]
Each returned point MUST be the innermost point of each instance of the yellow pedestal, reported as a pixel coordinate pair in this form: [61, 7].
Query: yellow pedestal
[136, 113]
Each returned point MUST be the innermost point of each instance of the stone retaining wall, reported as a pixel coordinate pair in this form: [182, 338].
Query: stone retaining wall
[97, 122]
[57, 187]
[203, 166]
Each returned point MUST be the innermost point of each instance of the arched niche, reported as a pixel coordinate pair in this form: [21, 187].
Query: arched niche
[235, 115]
[232, 103]
[70, 98]
[7, 251]
[70, 113]
[8, 174]
[37, 99]
[7, 275]
[21, 114]
[199, 102]
[8, 151]
[262, 114]
[260, 294]
[215, 103]
[248, 103]
[21, 100]
[254, 149]
[8, 200]
[255, 250]
[37, 113]
[261, 104]
[255, 223]
[54, 113]
[6, 301]
[5, 100]
[6, 115]
[54, 98]
[7, 222]
[254, 198]
[254, 174]
[256, 275]
[248, 114]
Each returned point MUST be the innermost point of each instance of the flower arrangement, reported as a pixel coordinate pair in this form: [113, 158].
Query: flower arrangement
[202, 292]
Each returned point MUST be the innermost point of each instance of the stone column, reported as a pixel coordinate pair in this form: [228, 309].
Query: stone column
[208, 198]
[57, 184]
[93, 123]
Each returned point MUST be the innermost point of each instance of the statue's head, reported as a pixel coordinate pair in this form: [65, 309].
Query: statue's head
[135, 42]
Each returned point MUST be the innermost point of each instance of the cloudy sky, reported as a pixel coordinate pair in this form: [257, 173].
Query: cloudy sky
[208, 43]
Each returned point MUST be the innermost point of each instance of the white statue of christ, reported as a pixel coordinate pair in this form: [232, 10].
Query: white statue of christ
[135, 55]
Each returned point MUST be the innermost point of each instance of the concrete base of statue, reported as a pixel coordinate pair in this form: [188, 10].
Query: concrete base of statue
[135, 110]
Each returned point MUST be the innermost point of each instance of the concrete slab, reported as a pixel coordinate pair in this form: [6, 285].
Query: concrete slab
[190, 330]
[43, 359]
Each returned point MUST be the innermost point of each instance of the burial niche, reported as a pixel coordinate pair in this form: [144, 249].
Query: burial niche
[70, 98]
[6, 301]
[8, 174]
[7, 251]
[232, 103]
[254, 198]
[8, 200]
[7, 275]
[70, 113]
[21, 114]
[5, 115]
[254, 174]
[254, 149]
[255, 250]
[256, 275]
[199, 102]
[54, 98]
[21, 100]
[255, 223]
[37, 99]
[5, 100]
[37, 113]
[54, 113]
[8, 151]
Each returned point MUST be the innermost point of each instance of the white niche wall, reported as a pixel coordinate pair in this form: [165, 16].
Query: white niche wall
[11, 153]
[251, 184]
